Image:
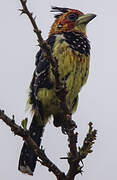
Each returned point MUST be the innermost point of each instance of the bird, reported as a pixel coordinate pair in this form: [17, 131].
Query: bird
[70, 46]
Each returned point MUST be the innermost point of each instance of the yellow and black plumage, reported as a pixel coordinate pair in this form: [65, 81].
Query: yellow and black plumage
[71, 48]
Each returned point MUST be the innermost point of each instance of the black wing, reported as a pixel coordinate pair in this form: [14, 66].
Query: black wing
[41, 73]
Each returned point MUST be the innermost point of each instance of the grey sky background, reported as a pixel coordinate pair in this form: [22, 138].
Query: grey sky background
[97, 100]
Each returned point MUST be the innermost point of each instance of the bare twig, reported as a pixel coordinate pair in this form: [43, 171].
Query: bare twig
[42, 43]
[25, 10]
[88, 142]
[74, 157]
[26, 137]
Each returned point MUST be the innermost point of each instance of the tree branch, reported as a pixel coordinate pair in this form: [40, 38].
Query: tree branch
[74, 161]
[19, 131]
[25, 10]
[74, 156]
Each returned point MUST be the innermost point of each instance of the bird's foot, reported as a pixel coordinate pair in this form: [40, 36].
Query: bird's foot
[68, 125]
[57, 122]
[65, 122]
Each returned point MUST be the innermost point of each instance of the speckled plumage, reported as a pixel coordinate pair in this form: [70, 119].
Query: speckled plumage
[73, 63]
[70, 46]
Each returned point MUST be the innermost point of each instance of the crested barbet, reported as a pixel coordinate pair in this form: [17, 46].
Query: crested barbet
[70, 46]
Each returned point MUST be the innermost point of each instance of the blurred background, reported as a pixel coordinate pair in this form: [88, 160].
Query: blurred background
[97, 100]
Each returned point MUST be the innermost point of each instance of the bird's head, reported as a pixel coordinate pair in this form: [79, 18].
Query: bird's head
[70, 20]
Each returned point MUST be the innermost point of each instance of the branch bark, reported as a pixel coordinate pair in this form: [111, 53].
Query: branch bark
[74, 158]
[19, 131]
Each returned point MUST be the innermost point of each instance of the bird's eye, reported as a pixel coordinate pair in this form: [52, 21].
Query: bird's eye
[72, 17]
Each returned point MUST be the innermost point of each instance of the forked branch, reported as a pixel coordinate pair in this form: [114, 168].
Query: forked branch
[19, 131]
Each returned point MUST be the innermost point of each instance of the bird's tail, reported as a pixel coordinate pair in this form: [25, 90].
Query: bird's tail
[28, 158]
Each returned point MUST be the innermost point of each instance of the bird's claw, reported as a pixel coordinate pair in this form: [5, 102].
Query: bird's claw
[68, 126]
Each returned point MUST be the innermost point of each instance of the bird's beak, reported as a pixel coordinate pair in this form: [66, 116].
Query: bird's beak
[85, 18]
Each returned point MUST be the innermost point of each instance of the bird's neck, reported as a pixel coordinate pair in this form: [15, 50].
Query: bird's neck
[81, 29]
